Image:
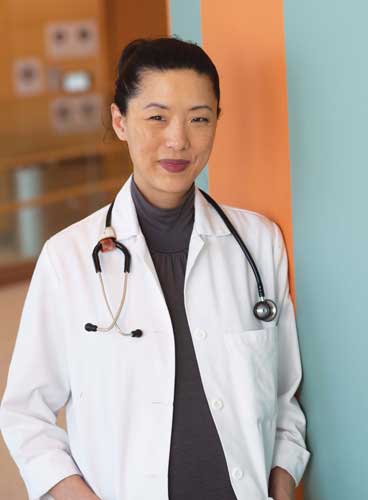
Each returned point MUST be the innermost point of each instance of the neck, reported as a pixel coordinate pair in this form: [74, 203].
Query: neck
[160, 199]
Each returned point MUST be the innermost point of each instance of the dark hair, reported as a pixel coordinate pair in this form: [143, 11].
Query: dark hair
[159, 54]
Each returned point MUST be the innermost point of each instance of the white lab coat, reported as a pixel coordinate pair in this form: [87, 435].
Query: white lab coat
[119, 391]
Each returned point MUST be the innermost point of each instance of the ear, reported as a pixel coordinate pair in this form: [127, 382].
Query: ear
[118, 122]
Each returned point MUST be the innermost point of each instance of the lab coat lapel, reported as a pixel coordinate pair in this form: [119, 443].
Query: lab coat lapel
[195, 246]
[128, 231]
[125, 221]
[142, 252]
[207, 223]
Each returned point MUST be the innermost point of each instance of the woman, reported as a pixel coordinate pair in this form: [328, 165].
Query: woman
[189, 394]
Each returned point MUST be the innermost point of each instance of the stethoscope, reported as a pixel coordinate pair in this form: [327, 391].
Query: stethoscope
[264, 309]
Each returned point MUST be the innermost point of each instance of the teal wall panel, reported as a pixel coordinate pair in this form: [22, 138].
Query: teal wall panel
[327, 75]
[185, 19]
[185, 22]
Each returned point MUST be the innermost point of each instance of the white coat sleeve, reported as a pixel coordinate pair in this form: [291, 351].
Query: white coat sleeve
[290, 451]
[37, 387]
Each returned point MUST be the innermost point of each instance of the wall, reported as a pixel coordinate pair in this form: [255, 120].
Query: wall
[327, 76]
[27, 133]
[252, 139]
[129, 20]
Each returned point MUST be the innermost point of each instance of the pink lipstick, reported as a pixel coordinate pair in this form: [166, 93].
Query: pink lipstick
[174, 165]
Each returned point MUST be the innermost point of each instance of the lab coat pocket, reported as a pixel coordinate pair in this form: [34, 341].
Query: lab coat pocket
[254, 364]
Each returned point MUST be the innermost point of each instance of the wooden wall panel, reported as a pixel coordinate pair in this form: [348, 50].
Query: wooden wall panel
[131, 19]
[25, 125]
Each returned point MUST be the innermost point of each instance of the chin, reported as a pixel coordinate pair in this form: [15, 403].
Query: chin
[174, 186]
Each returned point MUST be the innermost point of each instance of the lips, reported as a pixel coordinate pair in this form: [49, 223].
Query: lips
[174, 165]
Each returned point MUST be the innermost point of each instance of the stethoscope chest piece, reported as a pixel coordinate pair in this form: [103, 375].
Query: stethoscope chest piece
[265, 310]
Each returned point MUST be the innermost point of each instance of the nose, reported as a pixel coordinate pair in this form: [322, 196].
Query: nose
[177, 136]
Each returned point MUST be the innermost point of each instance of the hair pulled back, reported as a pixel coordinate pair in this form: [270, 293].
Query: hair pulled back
[159, 54]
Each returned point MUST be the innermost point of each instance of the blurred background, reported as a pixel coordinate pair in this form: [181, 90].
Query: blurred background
[59, 159]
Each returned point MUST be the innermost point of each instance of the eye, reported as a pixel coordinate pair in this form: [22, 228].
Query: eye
[201, 119]
[156, 118]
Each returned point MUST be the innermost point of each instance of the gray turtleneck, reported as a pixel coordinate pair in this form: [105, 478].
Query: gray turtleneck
[197, 466]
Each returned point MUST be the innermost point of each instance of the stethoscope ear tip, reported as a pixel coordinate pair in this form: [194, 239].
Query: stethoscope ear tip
[89, 327]
[137, 333]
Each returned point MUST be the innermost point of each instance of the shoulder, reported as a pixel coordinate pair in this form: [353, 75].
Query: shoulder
[261, 235]
[79, 235]
[248, 222]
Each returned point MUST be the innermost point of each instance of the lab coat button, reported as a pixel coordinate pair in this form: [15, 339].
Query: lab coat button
[200, 334]
[237, 473]
[217, 404]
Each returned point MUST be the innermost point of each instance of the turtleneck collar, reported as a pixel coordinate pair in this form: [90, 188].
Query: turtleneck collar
[166, 230]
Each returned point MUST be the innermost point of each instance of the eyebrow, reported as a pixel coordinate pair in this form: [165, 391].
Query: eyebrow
[162, 106]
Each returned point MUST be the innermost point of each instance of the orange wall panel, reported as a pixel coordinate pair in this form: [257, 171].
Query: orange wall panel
[249, 166]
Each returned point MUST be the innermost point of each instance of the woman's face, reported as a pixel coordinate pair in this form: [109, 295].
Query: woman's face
[173, 117]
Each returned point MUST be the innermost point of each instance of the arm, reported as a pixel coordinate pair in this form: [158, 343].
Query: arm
[290, 452]
[72, 488]
[37, 387]
[281, 485]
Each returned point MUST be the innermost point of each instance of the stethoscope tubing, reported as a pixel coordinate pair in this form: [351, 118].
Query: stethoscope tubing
[235, 233]
[264, 309]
